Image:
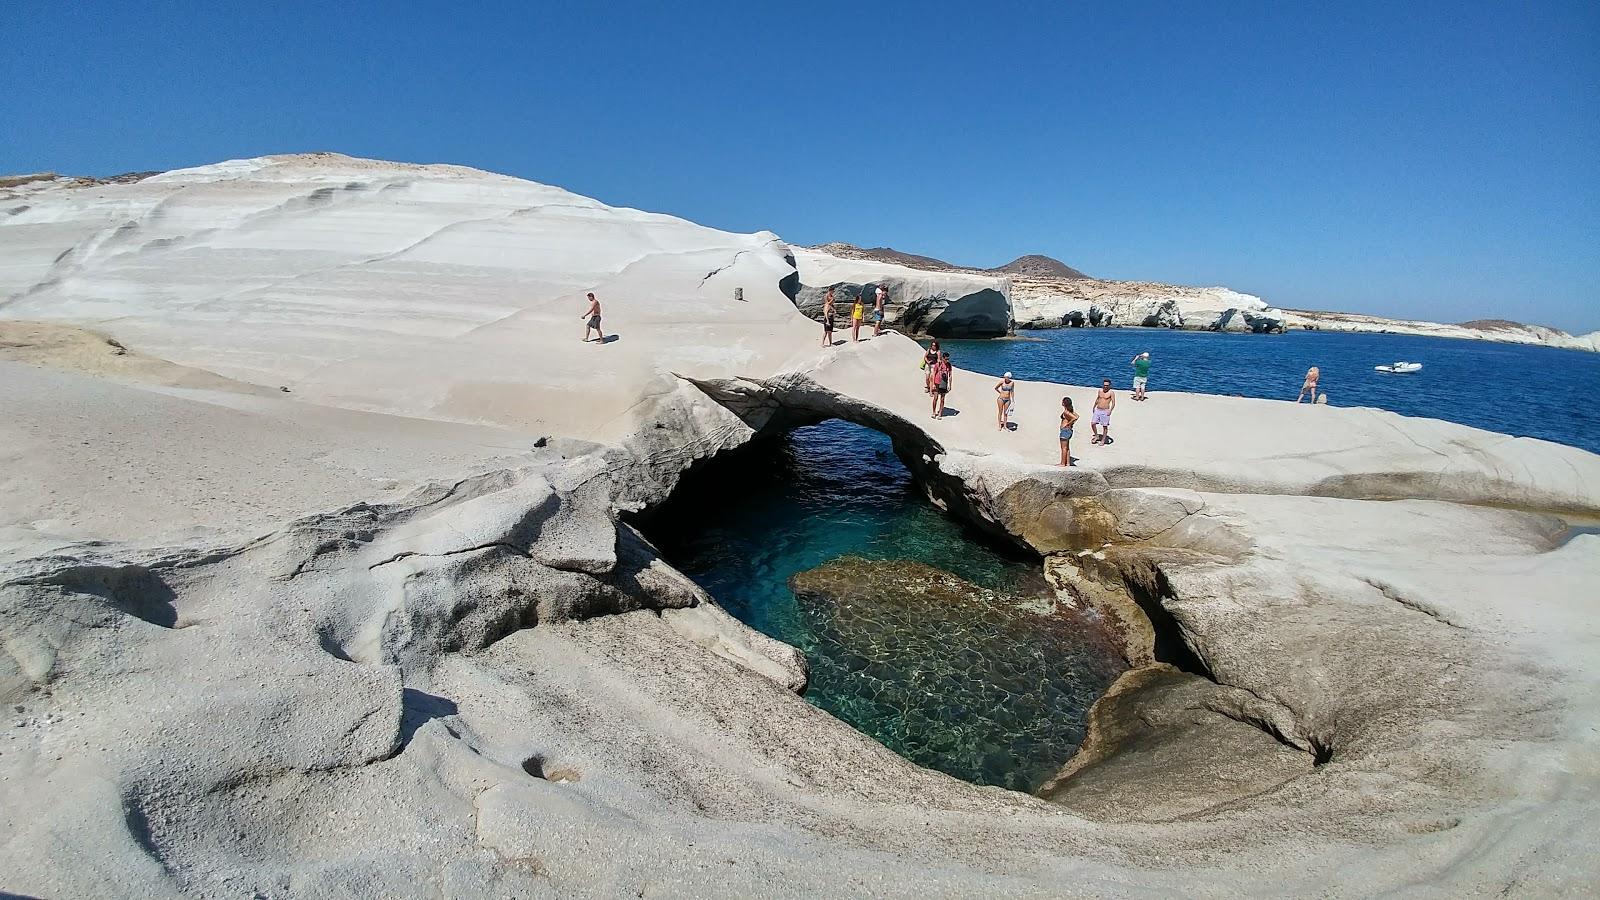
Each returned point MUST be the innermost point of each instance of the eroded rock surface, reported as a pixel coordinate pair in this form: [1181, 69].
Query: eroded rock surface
[382, 635]
[921, 302]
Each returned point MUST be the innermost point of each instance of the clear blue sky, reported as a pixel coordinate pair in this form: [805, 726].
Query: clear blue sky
[1430, 159]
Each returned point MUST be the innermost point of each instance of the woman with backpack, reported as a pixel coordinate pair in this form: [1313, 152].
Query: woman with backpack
[941, 383]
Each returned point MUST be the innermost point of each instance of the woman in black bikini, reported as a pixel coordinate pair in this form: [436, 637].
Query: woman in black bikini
[1068, 417]
[1007, 391]
[929, 358]
[827, 319]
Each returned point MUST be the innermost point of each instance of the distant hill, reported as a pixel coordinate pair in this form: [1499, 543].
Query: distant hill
[1032, 265]
[1036, 266]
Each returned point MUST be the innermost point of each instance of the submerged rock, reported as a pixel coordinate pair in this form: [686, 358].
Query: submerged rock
[989, 686]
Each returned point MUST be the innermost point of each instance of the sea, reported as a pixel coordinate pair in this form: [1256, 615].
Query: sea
[1002, 698]
[1517, 389]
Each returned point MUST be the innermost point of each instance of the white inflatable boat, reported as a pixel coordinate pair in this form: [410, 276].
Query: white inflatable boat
[1399, 368]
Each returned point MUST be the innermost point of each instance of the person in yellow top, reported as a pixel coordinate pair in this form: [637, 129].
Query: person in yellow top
[857, 313]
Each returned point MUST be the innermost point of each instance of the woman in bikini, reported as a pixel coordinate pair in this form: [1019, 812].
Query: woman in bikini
[827, 318]
[1067, 418]
[929, 357]
[857, 313]
[1312, 375]
[1007, 389]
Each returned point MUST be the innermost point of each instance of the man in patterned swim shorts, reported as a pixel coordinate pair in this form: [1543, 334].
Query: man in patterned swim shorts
[1100, 418]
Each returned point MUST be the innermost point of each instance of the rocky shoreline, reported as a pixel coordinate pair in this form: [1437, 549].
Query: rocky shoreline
[387, 632]
[1065, 298]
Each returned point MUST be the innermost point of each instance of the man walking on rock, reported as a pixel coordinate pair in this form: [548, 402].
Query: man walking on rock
[593, 315]
[882, 298]
[1100, 418]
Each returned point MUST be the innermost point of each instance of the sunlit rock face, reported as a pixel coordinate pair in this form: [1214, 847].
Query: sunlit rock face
[431, 291]
[991, 687]
[939, 304]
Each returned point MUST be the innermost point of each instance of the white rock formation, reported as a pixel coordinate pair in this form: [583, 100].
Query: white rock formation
[387, 634]
[941, 304]
[431, 291]
[1054, 303]
[1497, 330]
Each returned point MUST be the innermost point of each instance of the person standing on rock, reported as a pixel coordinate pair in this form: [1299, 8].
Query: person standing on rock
[1068, 418]
[1141, 374]
[880, 300]
[1100, 417]
[827, 318]
[929, 358]
[857, 313]
[1313, 375]
[941, 383]
[593, 315]
[1007, 389]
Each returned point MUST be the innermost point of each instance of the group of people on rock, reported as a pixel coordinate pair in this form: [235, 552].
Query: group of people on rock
[938, 374]
[858, 314]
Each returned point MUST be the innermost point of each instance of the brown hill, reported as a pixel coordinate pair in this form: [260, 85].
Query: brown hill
[1032, 265]
[1036, 266]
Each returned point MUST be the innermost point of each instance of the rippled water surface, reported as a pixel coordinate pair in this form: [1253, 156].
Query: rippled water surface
[1513, 389]
[918, 634]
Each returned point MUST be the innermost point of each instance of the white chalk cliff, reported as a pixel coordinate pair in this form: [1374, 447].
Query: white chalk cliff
[388, 632]
[920, 301]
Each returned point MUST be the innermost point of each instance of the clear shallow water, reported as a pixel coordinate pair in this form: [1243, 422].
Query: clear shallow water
[1513, 389]
[918, 634]
[815, 539]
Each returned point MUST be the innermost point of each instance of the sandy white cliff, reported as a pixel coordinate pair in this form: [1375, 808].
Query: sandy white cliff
[389, 632]
[920, 301]
[1053, 303]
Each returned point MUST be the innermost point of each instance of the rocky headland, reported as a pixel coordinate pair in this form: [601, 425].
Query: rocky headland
[317, 578]
[1047, 293]
[1497, 330]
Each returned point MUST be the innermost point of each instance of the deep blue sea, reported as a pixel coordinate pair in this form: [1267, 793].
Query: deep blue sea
[1516, 389]
[1000, 696]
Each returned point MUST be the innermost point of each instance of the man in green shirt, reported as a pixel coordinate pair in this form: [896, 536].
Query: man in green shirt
[1141, 374]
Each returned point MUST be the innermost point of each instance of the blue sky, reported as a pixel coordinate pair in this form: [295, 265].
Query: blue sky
[1440, 160]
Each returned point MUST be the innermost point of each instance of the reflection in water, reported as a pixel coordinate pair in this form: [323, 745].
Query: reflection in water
[918, 634]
